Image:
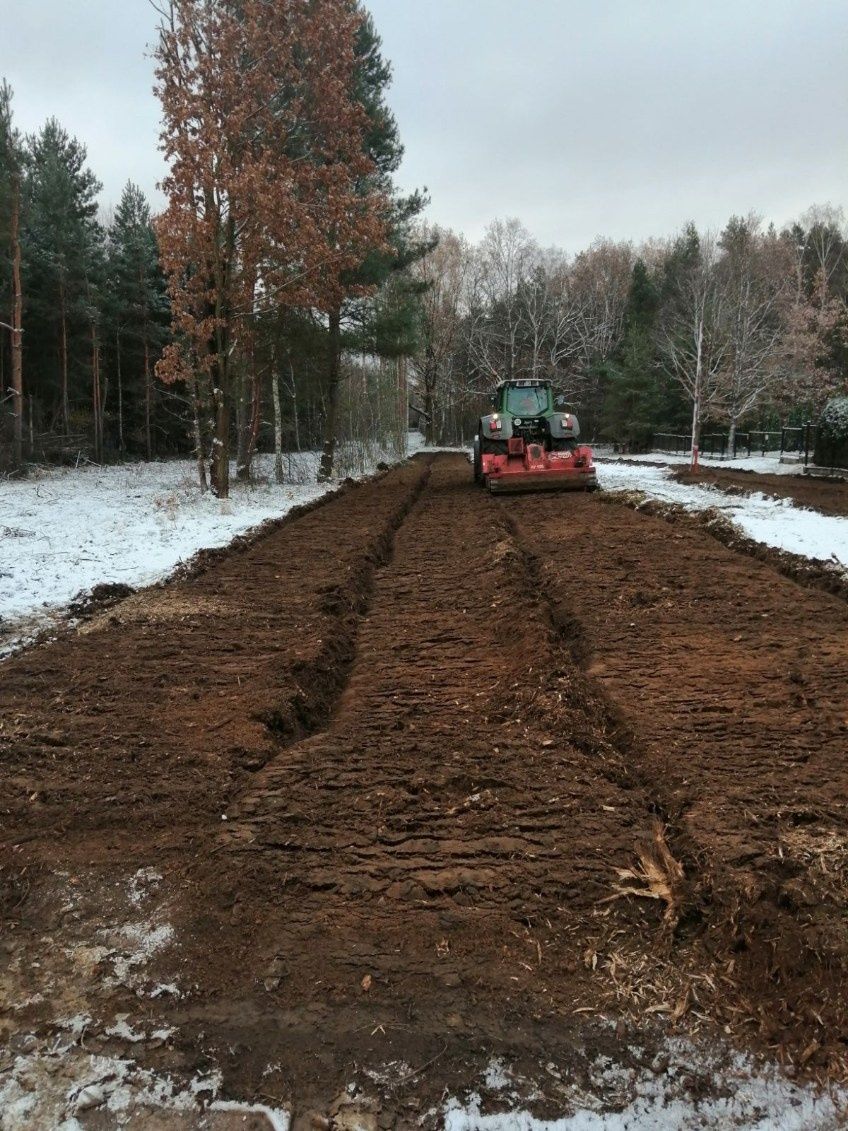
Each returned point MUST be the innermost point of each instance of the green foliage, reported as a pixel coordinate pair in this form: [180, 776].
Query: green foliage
[385, 323]
[63, 262]
[832, 435]
[638, 400]
[373, 76]
[136, 322]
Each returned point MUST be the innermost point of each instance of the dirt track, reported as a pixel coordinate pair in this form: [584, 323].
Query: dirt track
[389, 761]
[830, 496]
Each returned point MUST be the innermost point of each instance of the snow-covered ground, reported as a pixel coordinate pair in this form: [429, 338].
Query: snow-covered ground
[697, 1086]
[65, 530]
[768, 464]
[775, 522]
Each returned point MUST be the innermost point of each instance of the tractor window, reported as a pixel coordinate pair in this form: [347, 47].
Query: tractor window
[529, 401]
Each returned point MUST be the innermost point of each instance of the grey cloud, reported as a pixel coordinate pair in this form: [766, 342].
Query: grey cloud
[618, 117]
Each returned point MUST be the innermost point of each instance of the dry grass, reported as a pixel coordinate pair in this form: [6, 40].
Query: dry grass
[657, 876]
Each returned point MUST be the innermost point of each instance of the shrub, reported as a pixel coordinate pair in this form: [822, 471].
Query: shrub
[832, 435]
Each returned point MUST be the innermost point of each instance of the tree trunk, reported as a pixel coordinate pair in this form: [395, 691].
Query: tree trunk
[295, 413]
[241, 424]
[328, 452]
[278, 427]
[402, 407]
[429, 402]
[17, 313]
[219, 460]
[696, 396]
[63, 357]
[148, 399]
[731, 438]
[120, 392]
[219, 465]
[198, 436]
[95, 395]
[255, 413]
[248, 426]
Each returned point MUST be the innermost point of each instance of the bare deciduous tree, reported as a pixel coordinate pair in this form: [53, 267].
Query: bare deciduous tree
[692, 343]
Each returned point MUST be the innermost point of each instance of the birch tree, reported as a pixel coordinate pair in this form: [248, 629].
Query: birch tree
[752, 275]
[443, 274]
[502, 268]
[691, 339]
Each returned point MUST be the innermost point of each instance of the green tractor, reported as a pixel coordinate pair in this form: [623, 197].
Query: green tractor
[529, 443]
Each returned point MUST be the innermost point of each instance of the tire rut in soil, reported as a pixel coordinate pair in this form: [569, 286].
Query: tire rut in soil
[732, 680]
[449, 834]
[612, 740]
[143, 723]
[321, 680]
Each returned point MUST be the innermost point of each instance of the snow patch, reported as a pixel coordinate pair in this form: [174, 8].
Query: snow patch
[143, 884]
[774, 522]
[279, 1120]
[738, 1093]
[764, 465]
[65, 530]
[143, 941]
[52, 1090]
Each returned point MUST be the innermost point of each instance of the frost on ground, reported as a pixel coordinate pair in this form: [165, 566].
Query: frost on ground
[65, 530]
[774, 522]
[683, 1088]
[68, 1053]
[72, 1056]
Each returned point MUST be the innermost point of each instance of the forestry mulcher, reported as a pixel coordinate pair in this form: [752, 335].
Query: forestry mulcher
[528, 444]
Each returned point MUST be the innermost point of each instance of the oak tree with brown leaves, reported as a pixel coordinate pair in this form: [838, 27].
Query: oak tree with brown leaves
[263, 133]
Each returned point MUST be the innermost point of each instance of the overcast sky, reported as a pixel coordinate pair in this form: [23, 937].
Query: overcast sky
[622, 118]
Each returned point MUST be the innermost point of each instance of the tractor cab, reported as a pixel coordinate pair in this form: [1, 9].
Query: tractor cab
[530, 442]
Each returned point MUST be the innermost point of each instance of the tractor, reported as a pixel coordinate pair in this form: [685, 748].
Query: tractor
[530, 444]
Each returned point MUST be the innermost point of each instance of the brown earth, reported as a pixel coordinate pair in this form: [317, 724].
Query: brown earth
[422, 778]
[828, 495]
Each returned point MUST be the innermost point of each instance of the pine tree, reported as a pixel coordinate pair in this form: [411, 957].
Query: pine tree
[632, 403]
[138, 314]
[61, 240]
[344, 287]
[11, 176]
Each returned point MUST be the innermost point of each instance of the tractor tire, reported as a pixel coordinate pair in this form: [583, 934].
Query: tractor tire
[477, 460]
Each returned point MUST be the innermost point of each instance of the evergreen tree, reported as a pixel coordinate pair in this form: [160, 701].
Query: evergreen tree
[382, 146]
[11, 178]
[61, 245]
[632, 397]
[138, 314]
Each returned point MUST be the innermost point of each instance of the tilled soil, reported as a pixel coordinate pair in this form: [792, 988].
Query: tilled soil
[830, 496]
[732, 681]
[420, 778]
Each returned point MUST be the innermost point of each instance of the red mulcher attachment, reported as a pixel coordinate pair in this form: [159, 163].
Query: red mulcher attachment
[528, 467]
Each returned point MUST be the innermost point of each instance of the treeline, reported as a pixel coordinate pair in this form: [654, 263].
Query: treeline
[749, 326]
[287, 289]
[282, 225]
[270, 304]
[87, 309]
